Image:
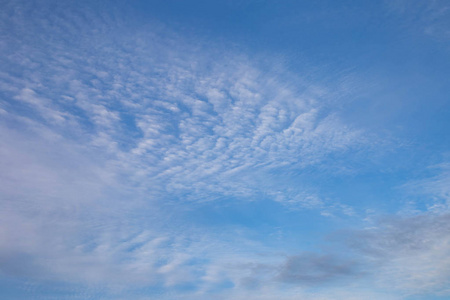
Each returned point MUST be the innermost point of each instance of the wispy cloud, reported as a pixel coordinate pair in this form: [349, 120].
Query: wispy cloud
[412, 253]
[431, 192]
[407, 256]
[99, 127]
[110, 131]
[430, 18]
[174, 121]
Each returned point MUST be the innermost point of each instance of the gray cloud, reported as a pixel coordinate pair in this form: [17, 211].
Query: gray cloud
[313, 269]
[402, 235]
[18, 264]
[408, 254]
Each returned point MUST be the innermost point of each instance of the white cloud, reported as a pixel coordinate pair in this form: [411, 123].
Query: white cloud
[431, 193]
[98, 130]
[178, 122]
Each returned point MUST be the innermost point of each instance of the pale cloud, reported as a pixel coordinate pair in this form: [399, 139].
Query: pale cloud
[408, 255]
[100, 129]
[430, 193]
[430, 18]
[168, 120]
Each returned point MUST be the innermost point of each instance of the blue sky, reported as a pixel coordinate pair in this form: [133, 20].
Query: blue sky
[243, 149]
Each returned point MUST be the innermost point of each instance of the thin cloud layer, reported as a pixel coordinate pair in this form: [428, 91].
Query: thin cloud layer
[311, 268]
[412, 253]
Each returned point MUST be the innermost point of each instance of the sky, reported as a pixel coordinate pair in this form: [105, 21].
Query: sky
[235, 149]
